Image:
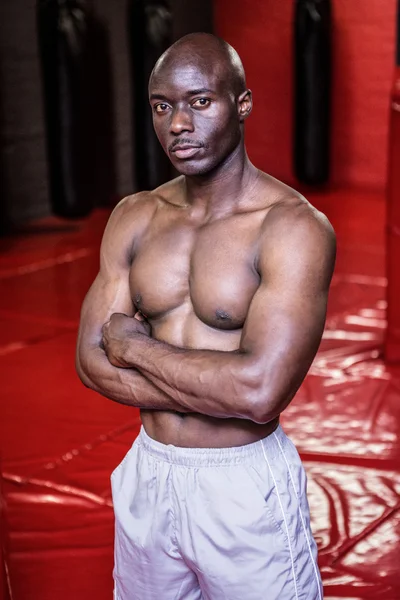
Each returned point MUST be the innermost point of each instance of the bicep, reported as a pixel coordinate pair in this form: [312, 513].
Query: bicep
[286, 318]
[110, 292]
[283, 328]
[107, 295]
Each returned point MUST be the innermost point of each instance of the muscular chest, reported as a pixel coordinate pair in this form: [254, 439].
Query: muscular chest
[208, 271]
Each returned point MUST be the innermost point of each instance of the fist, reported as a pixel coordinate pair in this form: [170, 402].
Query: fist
[118, 335]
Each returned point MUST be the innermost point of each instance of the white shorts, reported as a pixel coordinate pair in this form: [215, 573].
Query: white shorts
[213, 524]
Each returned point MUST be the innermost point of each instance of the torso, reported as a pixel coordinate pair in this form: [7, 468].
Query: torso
[194, 282]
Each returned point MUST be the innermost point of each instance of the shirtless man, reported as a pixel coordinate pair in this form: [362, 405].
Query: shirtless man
[206, 314]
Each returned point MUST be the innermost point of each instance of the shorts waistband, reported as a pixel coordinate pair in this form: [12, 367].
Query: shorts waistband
[202, 457]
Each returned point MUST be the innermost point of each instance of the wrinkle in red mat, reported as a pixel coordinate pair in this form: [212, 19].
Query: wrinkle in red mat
[61, 441]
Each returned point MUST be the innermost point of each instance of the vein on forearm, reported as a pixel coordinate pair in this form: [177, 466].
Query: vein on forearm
[127, 386]
[206, 381]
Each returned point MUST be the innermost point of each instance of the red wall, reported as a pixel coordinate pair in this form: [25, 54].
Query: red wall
[363, 66]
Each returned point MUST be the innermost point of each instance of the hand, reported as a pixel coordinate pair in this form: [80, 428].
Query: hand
[118, 332]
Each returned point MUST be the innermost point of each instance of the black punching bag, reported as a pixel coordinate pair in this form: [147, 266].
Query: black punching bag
[63, 35]
[150, 34]
[312, 60]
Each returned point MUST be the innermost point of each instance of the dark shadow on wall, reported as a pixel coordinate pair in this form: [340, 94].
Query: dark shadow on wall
[153, 25]
[76, 78]
[100, 114]
[189, 16]
[4, 217]
[149, 35]
[342, 144]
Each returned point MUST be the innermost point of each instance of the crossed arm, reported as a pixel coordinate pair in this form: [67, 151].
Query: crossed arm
[109, 294]
[281, 335]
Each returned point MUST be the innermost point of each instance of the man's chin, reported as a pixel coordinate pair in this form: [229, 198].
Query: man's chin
[192, 168]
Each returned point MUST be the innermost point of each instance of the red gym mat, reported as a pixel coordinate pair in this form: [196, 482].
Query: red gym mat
[61, 441]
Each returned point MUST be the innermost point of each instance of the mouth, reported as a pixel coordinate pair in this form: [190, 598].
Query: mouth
[185, 151]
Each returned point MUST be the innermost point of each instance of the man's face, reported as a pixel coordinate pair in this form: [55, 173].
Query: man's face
[195, 116]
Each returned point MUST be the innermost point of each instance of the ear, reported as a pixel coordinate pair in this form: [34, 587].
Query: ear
[245, 104]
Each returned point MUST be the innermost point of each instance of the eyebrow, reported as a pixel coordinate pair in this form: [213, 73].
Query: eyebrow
[189, 93]
[200, 91]
[158, 97]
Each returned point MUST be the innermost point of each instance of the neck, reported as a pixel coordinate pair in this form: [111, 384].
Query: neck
[221, 190]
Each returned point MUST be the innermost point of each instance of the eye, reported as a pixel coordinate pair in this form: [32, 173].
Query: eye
[161, 108]
[201, 102]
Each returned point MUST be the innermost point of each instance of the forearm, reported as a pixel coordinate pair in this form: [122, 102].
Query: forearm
[127, 386]
[213, 383]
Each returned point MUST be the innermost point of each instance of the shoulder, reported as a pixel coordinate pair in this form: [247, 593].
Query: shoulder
[138, 209]
[297, 236]
[126, 224]
[132, 216]
[292, 217]
[143, 205]
[287, 213]
[131, 207]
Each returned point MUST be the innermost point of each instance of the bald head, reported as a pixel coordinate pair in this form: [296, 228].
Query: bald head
[205, 52]
[199, 102]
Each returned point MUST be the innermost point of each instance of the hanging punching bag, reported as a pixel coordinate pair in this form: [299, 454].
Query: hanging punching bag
[312, 61]
[392, 342]
[62, 31]
[150, 34]
[97, 116]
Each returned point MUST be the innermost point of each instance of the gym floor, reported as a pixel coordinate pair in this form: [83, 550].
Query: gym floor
[60, 441]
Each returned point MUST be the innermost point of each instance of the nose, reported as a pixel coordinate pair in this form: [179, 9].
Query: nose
[181, 121]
